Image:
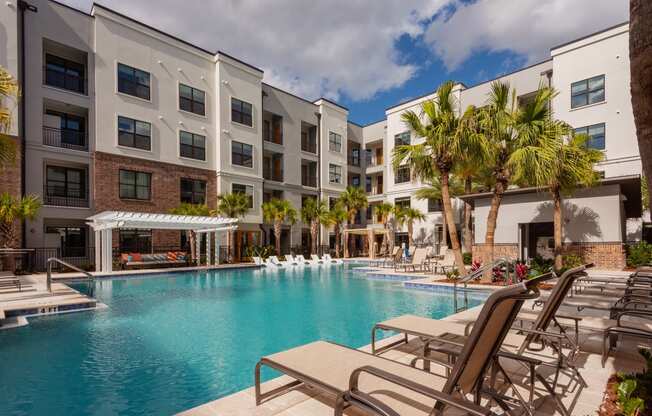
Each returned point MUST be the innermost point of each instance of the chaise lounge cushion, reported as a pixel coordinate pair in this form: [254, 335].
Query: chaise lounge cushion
[136, 257]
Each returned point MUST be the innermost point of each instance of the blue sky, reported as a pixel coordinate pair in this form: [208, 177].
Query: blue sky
[371, 54]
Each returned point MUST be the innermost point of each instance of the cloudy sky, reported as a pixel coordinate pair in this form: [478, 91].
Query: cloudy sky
[370, 54]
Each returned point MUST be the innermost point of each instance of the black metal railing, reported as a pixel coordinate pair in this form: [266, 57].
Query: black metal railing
[310, 181]
[353, 160]
[64, 80]
[52, 196]
[271, 175]
[65, 138]
[309, 146]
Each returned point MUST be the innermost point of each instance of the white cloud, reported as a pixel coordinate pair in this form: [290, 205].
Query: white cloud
[527, 27]
[311, 48]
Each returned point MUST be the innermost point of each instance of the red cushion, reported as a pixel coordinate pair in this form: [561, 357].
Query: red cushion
[172, 256]
[136, 257]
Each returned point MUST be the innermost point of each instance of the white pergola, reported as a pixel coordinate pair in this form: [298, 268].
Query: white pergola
[105, 222]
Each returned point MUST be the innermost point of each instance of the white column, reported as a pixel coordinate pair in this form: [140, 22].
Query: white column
[98, 251]
[198, 248]
[216, 259]
[209, 259]
[109, 250]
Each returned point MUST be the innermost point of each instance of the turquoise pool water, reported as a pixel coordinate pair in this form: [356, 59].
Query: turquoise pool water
[171, 342]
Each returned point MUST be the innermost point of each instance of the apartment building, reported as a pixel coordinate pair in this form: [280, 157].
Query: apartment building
[121, 116]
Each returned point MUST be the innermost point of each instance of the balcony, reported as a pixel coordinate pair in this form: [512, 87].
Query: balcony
[353, 160]
[273, 128]
[308, 138]
[65, 138]
[65, 74]
[57, 196]
[310, 181]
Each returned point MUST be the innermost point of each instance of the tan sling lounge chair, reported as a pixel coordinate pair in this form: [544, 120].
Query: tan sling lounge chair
[387, 388]
[419, 261]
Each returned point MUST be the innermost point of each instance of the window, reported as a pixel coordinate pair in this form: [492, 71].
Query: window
[193, 191]
[334, 173]
[402, 202]
[193, 146]
[402, 174]
[596, 135]
[244, 189]
[65, 74]
[402, 138]
[192, 100]
[135, 241]
[354, 157]
[355, 181]
[65, 186]
[72, 240]
[135, 185]
[133, 81]
[332, 202]
[242, 112]
[367, 184]
[588, 91]
[434, 205]
[134, 133]
[334, 142]
[242, 154]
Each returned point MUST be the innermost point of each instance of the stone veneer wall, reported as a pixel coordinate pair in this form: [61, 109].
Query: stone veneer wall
[603, 255]
[165, 189]
[10, 181]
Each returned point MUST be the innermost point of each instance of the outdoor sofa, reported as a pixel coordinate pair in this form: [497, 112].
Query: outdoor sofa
[171, 258]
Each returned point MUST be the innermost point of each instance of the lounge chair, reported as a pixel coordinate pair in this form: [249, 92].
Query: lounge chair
[536, 338]
[381, 260]
[446, 263]
[418, 261]
[328, 259]
[626, 328]
[258, 261]
[302, 260]
[314, 259]
[383, 387]
[272, 261]
[289, 261]
[393, 261]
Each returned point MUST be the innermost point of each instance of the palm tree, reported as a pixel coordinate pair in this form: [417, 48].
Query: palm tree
[560, 166]
[233, 205]
[336, 217]
[505, 125]
[353, 199]
[471, 173]
[409, 216]
[278, 211]
[384, 210]
[8, 92]
[312, 212]
[11, 210]
[447, 140]
[640, 45]
[195, 210]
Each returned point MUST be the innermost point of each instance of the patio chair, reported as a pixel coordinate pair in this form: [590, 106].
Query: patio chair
[397, 258]
[382, 387]
[258, 261]
[289, 261]
[447, 263]
[640, 329]
[328, 259]
[302, 260]
[387, 257]
[314, 259]
[418, 261]
[273, 261]
[536, 338]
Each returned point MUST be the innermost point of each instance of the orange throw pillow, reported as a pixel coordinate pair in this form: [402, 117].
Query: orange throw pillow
[172, 256]
[136, 257]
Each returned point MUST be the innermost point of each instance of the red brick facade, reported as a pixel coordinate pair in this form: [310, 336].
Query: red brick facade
[10, 181]
[165, 189]
[603, 255]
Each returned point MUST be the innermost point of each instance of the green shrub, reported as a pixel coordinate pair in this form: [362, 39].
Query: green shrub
[453, 274]
[468, 258]
[634, 391]
[569, 261]
[639, 254]
[259, 251]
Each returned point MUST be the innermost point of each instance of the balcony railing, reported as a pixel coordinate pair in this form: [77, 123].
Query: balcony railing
[56, 198]
[273, 176]
[353, 160]
[310, 181]
[65, 138]
[308, 145]
[65, 81]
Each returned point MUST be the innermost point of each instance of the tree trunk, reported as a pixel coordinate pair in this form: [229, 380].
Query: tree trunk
[383, 245]
[277, 237]
[492, 219]
[640, 58]
[337, 240]
[468, 230]
[450, 221]
[347, 238]
[229, 238]
[410, 229]
[557, 219]
[314, 229]
[193, 246]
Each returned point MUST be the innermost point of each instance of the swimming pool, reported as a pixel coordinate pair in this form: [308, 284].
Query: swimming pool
[167, 343]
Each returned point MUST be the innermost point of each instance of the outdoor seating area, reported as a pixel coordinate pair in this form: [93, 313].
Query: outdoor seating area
[172, 258]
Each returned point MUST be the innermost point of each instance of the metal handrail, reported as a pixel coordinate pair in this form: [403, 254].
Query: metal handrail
[52, 260]
[474, 275]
